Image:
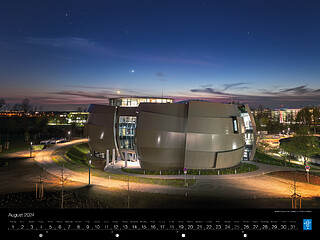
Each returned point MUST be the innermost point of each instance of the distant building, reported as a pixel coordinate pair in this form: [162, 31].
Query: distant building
[68, 118]
[79, 118]
[285, 115]
[265, 111]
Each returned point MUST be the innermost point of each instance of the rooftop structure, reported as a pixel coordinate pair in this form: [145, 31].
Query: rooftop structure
[135, 101]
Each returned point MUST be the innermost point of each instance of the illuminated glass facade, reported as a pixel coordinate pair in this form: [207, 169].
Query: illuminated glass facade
[249, 133]
[127, 128]
[135, 101]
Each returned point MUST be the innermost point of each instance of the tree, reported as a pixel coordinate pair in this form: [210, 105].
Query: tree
[263, 144]
[261, 118]
[283, 155]
[315, 117]
[62, 182]
[304, 116]
[41, 124]
[2, 102]
[285, 149]
[274, 126]
[26, 107]
[302, 145]
[17, 107]
[309, 116]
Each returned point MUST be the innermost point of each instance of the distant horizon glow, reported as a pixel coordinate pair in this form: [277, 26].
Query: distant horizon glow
[64, 54]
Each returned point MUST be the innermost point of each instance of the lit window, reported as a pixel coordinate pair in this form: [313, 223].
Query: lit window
[134, 103]
[102, 135]
[235, 124]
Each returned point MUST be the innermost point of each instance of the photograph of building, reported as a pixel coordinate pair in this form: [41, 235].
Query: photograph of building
[174, 119]
[160, 134]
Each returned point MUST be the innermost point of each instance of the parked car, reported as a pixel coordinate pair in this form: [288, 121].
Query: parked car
[45, 142]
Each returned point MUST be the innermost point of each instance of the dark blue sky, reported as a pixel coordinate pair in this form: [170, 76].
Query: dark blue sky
[80, 52]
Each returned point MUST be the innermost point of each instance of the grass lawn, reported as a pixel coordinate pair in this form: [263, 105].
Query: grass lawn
[75, 159]
[242, 168]
[77, 154]
[266, 159]
[16, 144]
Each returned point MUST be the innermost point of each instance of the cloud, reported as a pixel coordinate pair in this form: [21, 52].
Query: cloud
[87, 96]
[235, 86]
[205, 86]
[90, 95]
[61, 42]
[80, 44]
[159, 74]
[296, 91]
[87, 86]
[209, 90]
[180, 59]
[87, 45]
[287, 96]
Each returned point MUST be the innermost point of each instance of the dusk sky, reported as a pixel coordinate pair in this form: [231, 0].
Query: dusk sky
[59, 53]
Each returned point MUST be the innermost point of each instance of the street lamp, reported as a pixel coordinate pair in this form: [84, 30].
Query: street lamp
[89, 170]
[30, 149]
[69, 135]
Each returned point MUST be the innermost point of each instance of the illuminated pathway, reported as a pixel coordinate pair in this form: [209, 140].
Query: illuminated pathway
[246, 185]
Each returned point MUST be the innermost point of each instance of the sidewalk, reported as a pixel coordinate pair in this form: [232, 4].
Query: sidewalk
[263, 169]
[44, 159]
[234, 186]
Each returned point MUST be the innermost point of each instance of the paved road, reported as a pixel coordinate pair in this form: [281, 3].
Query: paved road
[263, 169]
[246, 185]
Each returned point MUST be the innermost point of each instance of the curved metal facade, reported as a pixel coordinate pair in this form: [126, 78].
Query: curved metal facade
[195, 135]
[100, 127]
[160, 135]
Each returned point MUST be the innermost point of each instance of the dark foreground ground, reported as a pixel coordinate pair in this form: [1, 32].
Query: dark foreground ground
[299, 176]
[19, 173]
[93, 197]
[49, 201]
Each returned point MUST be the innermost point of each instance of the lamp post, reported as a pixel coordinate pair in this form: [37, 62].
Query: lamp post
[89, 170]
[69, 135]
[185, 177]
[30, 149]
[307, 170]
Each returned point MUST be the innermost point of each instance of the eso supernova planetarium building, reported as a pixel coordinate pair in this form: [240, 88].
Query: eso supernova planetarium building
[160, 134]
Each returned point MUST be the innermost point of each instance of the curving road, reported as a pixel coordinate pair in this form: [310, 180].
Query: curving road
[246, 185]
